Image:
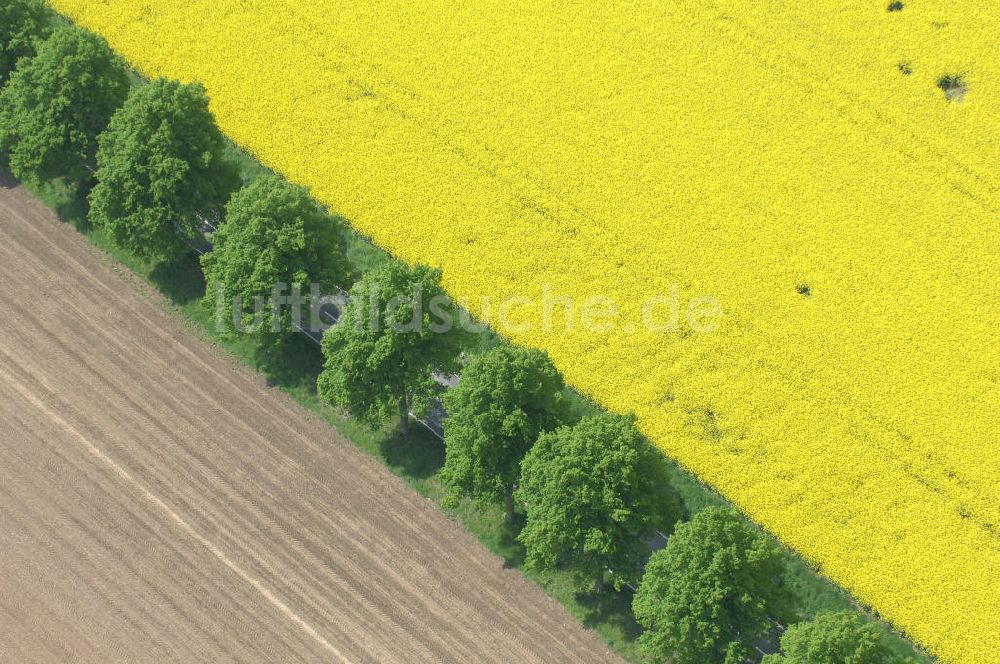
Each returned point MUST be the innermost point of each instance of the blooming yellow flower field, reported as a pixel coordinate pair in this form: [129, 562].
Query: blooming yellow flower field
[795, 162]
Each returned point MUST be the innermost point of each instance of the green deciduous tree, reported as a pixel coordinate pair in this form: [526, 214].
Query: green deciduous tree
[708, 595]
[275, 241]
[834, 638]
[594, 494]
[23, 23]
[56, 103]
[398, 328]
[160, 167]
[506, 398]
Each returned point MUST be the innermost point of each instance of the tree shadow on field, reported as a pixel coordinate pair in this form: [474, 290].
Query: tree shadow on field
[512, 551]
[417, 454]
[69, 204]
[610, 607]
[295, 363]
[181, 280]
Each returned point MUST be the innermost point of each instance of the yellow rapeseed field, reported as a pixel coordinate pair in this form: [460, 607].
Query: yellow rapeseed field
[795, 162]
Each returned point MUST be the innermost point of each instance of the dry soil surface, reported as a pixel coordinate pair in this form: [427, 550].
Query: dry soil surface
[159, 503]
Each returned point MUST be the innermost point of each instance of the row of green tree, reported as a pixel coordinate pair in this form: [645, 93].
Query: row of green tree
[596, 492]
[593, 492]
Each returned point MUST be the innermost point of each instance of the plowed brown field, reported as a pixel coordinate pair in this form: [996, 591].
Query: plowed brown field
[158, 503]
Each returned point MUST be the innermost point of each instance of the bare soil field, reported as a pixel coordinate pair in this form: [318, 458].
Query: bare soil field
[159, 503]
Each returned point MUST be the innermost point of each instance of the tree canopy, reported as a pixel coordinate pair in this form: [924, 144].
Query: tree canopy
[55, 104]
[834, 638]
[274, 234]
[708, 595]
[507, 396]
[160, 166]
[398, 328]
[23, 23]
[595, 493]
